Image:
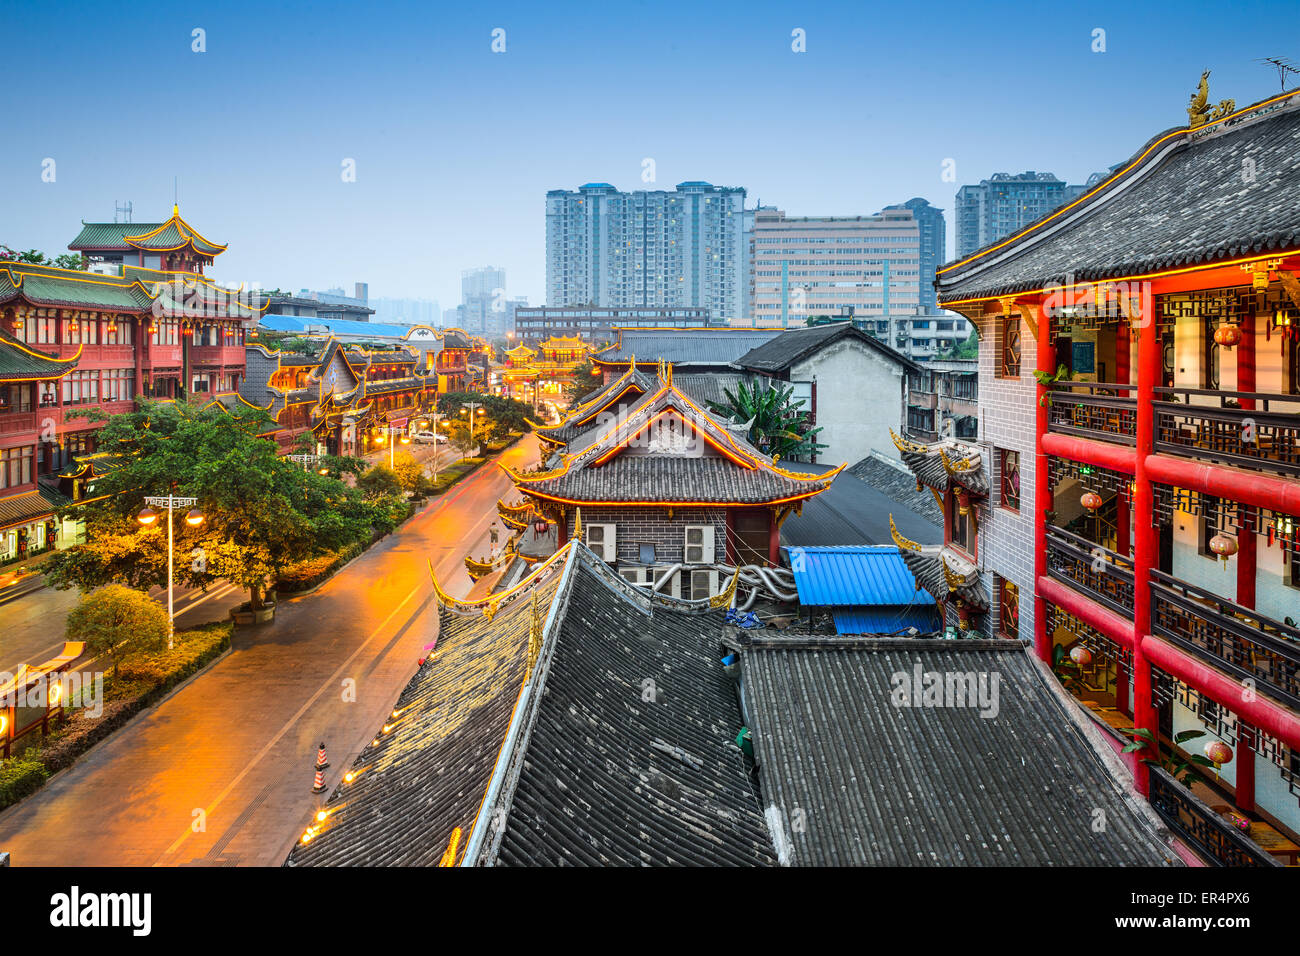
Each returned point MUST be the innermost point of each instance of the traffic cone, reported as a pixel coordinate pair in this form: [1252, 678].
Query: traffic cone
[321, 761]
[319, 785]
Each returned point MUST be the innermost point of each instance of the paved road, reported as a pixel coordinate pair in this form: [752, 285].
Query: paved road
[220, 773]
[31, 627]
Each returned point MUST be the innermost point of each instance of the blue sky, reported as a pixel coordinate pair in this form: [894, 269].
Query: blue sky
[455, 146]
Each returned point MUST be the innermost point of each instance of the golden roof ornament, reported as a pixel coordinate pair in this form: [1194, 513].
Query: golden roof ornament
[1199, 111]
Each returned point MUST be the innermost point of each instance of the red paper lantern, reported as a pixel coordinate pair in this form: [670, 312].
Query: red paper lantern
[1091, 500]
[1224, 546]
[1218, 752]
[1227, 336]
[1081, 655]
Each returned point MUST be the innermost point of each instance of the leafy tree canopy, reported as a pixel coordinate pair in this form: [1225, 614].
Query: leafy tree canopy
[68, 260]
[507, 412]
[260, 512]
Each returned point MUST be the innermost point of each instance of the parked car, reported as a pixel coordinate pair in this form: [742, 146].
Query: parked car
[428, 438]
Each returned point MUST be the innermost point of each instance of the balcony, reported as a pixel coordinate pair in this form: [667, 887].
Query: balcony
[1212, 837]
[217, 355]
[17, 423]
[1222, 427]
[1094, 410]
[1090, 569]
[1227, 636]
[922, 399]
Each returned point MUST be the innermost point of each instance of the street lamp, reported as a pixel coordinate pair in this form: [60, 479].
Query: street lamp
[193, 518]
[471, 409]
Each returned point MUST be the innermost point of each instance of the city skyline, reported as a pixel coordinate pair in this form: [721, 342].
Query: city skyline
[277, 193]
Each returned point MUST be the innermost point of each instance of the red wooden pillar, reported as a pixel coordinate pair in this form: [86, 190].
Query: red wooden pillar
[1046, 362]
[1246, 565]
[1146, 540]
[773, 540]
[1122, 371]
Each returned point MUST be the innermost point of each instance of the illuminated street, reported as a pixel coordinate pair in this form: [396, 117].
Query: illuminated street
[236, 746]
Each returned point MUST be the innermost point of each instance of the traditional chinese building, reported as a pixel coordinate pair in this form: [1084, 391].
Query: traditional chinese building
[667, 494]
[144, 321]
[349, 399]
[1140, 370]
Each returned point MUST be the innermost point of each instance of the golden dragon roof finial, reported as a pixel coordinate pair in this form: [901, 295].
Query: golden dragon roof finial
[899, 540]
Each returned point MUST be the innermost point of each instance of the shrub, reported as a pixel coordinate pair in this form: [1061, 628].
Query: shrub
[117, 622]
[19, 777]
[305, 575]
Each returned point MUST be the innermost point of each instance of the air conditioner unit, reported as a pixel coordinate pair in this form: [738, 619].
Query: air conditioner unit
[699, 544]
[602, 540]
[697, 585]
[641, 577]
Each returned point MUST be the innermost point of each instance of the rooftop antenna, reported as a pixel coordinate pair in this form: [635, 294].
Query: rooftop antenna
[1283, 66]
[121, 210]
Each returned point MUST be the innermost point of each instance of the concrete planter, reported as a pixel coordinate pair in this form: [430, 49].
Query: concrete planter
[246, 615]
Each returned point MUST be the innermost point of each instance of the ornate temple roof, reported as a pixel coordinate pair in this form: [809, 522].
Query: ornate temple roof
[1169, 206]
[167, 236]
[667, 450]
[625, 391]
[942, 571]
[20, 363]
[940, 465]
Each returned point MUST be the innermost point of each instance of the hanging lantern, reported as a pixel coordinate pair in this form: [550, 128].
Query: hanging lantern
[112, 325]
[1227, 335]
[1223, 545]
[1091, 500]
[963, 502]
[1218, 752]
[1081, 655]
[72, 326]
[18, 325]
[540, 525]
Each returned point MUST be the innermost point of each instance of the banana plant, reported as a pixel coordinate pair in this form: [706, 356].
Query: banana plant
[778, 425]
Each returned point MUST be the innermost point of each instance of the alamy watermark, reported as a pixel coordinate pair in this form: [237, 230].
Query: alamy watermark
[976, 690]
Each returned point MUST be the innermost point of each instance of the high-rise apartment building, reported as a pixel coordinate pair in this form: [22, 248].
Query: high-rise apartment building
[932, 247]
[867, 267]
[1006, 203]
[648, 249]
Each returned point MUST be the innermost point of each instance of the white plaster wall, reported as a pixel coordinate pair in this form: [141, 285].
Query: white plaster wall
[859, 398]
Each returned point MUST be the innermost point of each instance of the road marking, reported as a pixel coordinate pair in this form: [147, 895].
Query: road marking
[329, 682]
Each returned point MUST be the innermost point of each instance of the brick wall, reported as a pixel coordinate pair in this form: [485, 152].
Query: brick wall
[1007, 420]
[636, 526]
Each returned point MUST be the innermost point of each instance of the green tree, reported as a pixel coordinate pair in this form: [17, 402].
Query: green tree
[586, 379]
[118, 623]
[410, 474]
[457, 433]
[261, 512]
[508, 412]
[778, 423]
[970, 349]
[68, 260]
[379, 482]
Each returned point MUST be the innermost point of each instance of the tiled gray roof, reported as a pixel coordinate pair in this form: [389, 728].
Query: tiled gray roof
[428, 775]
[779, 353]
[611, 778]
[876, 784]
[717, 347]
[1187, 203]
[705, 387]
[671, 478]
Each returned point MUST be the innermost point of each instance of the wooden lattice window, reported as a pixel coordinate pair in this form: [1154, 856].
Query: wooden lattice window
[1009, 351]
[1009, 609]
[1009, 467]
